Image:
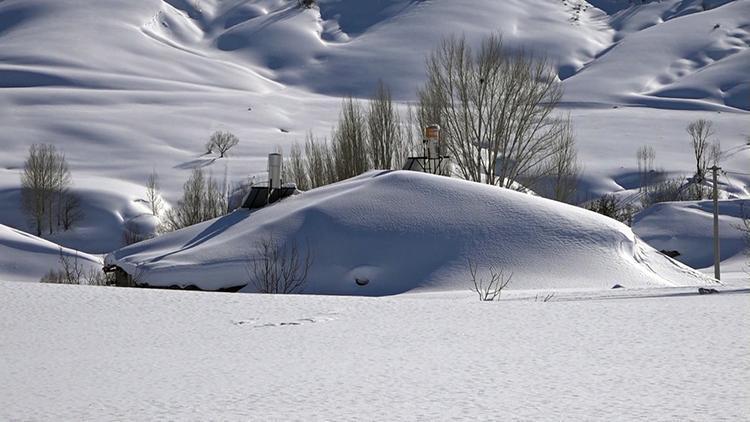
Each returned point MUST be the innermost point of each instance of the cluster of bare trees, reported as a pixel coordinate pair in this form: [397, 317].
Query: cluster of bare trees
[706, 152]
[369, 136]
[496, 108]
[202, 199]
[45, 191]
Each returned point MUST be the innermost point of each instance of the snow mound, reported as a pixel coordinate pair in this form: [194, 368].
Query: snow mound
[110, 209]
[687, 227]
[24, 257]
[404, 231]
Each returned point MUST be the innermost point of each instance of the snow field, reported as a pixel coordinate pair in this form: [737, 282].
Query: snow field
[75, 352]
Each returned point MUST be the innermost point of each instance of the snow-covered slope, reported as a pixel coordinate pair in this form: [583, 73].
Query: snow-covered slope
[672, 54]
[124, 88]
[404, 230]
[109, 208]
[24, 257]
[687, 227]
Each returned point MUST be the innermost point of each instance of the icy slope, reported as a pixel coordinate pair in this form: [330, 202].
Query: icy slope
[404, 230]
[24, 257]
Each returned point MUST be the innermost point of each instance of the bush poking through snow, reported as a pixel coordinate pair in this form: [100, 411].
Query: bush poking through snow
[279, 270]
[613, 208]
[72, 272]
[488, 290]
[667, 191]
[221, 142]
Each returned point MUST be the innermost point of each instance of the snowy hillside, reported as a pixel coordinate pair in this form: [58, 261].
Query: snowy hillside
[687, 227]
[124, 88]
[405, 230]
[24, 257]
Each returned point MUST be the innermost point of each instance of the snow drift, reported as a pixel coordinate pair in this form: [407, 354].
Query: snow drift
[404, 231]
[24, 257]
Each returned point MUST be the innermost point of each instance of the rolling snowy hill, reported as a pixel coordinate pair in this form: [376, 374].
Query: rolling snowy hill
[24, 257]
[404, 230]
[124, 88]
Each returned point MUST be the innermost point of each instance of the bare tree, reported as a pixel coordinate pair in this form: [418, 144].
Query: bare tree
[70, 212]
[411, 137]
[564, 167]
[222, 142]
[202, 200]
[296, 168]
[153, 197]
[350, 141]
[495, 105]
[277, 269]
[384, 129]
[700, 132]
[488, 290]
[45, 196]
[319, 162]
[645, 157]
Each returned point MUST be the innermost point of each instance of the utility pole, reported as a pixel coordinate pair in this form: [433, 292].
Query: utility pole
[717, 259]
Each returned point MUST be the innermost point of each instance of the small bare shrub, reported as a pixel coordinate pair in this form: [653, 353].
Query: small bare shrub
[277, 269]
[544, 297]
[666, 191]
[612, 207]
[488, 290]
[73, 272]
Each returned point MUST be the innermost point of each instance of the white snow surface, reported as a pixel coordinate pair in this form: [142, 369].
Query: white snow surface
[404, 230]
[99, 353]
[24, 257]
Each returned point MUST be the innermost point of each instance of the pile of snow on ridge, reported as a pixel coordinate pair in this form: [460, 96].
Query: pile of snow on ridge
[405, 230]
[24, 257]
